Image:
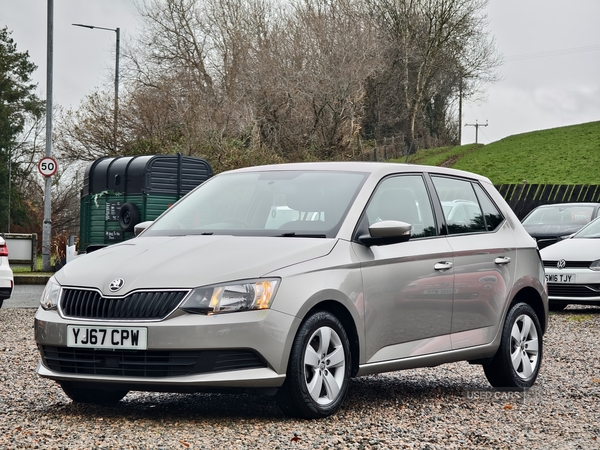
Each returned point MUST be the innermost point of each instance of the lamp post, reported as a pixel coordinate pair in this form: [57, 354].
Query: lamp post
[118, 33]
[47, 223]
[9, 183]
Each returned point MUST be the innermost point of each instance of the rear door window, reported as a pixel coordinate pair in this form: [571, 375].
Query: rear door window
[461, 207]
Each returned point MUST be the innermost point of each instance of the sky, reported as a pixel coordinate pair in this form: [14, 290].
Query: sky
[550, 76]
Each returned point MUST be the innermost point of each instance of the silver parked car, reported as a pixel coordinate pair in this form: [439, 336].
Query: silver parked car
[573, 268]
[290, 279]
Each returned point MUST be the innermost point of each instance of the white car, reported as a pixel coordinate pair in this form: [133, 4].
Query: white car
[572, 268]
[6, 275]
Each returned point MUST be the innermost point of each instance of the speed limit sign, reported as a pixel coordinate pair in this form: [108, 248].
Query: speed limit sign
[47, 166]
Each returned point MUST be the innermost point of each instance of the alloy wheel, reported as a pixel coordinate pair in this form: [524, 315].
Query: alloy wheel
[524, 348]
[324, 365]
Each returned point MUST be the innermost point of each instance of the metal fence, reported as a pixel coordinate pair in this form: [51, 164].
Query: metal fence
[522, 198]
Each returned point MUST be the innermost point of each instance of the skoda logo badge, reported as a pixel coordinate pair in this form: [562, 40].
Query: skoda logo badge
[561, 264]
[116, 284]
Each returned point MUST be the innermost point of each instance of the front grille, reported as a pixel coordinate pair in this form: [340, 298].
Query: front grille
[573, 290]
[147, 363]
[545, 242]
[569, 264]
[86, 304]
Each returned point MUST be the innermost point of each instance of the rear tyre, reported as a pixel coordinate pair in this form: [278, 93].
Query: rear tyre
[517, 362]
[318, 371]
[91, 393]
[556, 306]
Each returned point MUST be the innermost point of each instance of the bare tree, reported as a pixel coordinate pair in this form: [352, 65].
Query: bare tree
[309, 80]
[430, 41]
[86, 133]
[255, 81]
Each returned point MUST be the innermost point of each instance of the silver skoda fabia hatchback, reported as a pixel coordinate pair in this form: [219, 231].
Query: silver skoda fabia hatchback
[291, 279]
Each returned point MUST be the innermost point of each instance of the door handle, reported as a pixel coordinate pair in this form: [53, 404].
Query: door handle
[502, 260]
[445, 265]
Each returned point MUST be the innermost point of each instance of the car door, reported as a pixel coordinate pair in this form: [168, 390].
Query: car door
[484, 260]
[408, 286]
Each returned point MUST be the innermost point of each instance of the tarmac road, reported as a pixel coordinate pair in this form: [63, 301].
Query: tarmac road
[24, 296]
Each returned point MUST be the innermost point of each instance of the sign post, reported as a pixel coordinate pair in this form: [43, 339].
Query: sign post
[47, 224]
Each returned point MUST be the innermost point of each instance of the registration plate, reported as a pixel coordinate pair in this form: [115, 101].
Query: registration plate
[560, 278]
[107, 337]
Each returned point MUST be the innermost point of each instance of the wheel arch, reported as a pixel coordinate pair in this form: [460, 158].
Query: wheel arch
[343, 314]
[347, 321]
[532, 297]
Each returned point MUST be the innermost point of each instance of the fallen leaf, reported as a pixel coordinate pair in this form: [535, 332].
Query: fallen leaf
[596, 380]
[506, 407]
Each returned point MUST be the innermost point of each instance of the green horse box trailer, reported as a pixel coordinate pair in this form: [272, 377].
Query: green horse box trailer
[120, 192]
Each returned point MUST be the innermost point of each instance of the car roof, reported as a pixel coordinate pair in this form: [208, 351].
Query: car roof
[375, 168]
[562, 205]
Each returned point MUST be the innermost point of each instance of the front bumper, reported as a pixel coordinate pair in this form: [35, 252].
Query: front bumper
[584, 289]
[261, 333]
[249, 378]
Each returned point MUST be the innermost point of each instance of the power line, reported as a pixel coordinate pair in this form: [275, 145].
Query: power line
[559, 52]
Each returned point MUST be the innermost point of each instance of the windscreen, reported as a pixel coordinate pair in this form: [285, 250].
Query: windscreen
[590, 231]
[270, 203]
[560, 215]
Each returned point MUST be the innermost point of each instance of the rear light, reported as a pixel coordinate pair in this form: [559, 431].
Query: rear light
[3, 250]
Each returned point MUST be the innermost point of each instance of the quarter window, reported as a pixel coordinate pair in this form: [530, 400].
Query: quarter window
[493, 217]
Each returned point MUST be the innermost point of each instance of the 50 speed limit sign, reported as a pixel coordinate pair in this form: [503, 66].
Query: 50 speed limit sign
[47, 166]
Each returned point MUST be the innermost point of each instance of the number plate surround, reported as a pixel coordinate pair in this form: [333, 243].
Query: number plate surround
[122, 338]
[561, 278]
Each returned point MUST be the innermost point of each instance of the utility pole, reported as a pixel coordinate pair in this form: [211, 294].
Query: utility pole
[460, 89]
[476, 125]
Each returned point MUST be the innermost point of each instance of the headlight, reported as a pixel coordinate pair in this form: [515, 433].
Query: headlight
[51, 294]
[595, 265]
[231, 297]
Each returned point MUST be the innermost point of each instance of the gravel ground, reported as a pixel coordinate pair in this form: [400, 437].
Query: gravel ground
[432, 408]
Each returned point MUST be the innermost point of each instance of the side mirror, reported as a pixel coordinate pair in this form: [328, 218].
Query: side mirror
[138, 228]
[387, 232]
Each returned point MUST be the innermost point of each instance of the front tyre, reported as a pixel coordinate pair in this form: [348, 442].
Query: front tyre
[318, 371]
[517, 362]
[91, 393]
